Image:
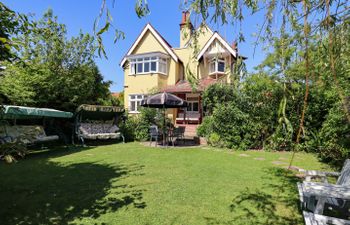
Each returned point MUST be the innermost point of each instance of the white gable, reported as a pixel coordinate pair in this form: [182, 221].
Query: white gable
[216, 45]
[148, 27]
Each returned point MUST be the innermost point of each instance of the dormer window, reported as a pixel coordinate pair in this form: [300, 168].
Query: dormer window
[155, 63]
[217, 65]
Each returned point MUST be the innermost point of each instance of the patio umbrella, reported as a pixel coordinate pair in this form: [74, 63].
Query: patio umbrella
[163, 101]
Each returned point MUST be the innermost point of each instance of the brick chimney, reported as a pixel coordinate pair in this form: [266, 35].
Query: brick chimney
[235, 46]
[186, 28]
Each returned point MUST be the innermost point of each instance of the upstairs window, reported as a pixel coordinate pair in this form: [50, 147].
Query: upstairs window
[146, 65]
[217, 66]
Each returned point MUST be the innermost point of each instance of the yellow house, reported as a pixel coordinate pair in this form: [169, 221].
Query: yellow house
[152, 64]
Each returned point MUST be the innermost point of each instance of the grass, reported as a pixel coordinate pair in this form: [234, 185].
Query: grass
[134, 184]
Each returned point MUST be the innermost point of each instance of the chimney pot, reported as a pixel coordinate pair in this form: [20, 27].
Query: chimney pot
[185, 17]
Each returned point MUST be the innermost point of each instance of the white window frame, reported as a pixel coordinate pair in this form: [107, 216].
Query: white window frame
[160, 60]
[136, 99]
[190, 103]
[216, 61]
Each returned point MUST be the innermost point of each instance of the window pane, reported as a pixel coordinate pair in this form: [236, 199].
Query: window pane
[154, 66]
[140, 59]
[138, 103]
[162, 67]
[146, 67]
[189, 106]
[132, 106]
[147, 58]
[132, 68]
[139, 97]
[221, 66]
[139, 67]
[195, 106]
[212, 67]
[153, 58]
[132, 96]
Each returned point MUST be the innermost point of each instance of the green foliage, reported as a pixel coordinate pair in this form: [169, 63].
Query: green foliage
[229, 125]
[206, 127]
[335, 136]
[264, 110]
[217, 94]
[136, 127]
[55, 71]
[10, 151]
[11, 23]
[214, 140]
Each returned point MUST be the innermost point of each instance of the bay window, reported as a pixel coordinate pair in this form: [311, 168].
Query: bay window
[217, 66]
[151, 64]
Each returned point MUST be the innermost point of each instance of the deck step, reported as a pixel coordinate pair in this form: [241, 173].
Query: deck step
[190, 129]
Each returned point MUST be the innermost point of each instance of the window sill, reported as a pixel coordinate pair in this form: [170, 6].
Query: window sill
[150, 73]
[216, 72]
[134, 112]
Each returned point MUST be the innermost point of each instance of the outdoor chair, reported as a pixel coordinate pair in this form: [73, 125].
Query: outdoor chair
[154, 134]
[178, 134]
[317, 196]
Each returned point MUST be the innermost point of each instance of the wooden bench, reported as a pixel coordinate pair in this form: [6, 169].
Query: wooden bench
[315, 195]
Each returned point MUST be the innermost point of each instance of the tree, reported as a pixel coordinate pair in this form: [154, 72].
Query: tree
[11, 24]
[54, 71]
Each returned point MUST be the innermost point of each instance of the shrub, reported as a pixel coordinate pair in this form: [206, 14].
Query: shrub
[136, 127]
[206, 127]
[10, 151]
[228, 127]
[217, 94]
[214, 140]
[335, 136]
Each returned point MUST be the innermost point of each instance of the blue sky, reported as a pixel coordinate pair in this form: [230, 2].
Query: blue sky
[165, 17]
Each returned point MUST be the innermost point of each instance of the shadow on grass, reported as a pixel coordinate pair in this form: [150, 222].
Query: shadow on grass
[54, 151]
[277, 203]
[40, 192]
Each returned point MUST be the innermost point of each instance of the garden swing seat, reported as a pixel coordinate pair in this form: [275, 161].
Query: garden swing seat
[93, 122]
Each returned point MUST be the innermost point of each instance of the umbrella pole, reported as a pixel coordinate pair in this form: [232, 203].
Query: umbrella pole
[164, 127]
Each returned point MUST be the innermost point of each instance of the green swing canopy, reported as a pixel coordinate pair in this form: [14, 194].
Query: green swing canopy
[22, 112]
[99, 112]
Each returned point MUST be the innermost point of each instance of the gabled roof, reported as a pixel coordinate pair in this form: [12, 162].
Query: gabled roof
[159, 38]
[216, 36]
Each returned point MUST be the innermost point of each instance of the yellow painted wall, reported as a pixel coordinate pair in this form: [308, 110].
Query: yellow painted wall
[187, 55]
[148, 44]
[142, 84]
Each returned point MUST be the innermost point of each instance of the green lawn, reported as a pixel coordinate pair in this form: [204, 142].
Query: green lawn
[134, 184]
